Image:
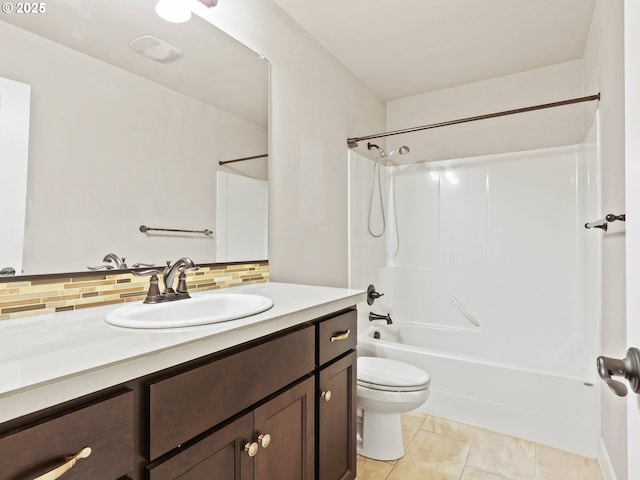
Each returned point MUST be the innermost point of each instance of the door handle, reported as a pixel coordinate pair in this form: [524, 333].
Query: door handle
[628, 367]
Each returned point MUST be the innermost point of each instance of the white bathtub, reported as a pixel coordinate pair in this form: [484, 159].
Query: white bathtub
[536, 404]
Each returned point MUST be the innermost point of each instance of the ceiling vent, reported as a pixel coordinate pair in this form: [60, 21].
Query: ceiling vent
[155, 49]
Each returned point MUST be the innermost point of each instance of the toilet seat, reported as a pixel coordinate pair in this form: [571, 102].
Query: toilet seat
[390, 375]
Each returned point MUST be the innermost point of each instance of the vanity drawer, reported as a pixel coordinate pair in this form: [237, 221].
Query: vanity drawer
[336, 336]
[105, 426]
[187, 404]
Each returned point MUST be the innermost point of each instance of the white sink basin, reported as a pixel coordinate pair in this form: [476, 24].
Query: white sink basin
[201, 309]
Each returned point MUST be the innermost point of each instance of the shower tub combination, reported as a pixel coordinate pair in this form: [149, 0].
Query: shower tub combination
[492, 283]
[556, 409]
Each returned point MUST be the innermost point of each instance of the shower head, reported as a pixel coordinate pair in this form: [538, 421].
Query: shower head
[402, 151]
[382, 154]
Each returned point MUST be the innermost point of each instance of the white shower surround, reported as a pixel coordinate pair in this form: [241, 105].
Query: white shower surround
[550, 408]
[495, 282]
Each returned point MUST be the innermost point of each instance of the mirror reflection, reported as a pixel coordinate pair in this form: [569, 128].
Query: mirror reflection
[107, 137]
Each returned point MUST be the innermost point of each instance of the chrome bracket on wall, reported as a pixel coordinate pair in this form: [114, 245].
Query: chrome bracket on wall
[628, 368]
[603, 223]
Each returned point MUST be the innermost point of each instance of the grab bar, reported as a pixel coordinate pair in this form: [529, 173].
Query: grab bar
[465, 313]
[145, 229]
[603, 223]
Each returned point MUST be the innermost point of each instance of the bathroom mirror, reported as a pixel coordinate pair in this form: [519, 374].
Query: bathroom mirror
[122, 136]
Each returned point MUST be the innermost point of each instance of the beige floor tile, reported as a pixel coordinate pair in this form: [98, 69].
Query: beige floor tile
[411, 423]
[449, 428]
[503, 455]
[437, 449]
[368, 469]
[471, 473]
[433, 457]
[553, 464]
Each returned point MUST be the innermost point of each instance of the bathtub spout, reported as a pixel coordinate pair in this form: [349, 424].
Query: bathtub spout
[377, 316]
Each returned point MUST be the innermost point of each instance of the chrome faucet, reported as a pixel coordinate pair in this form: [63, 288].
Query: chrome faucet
[168, 276]
[119, 262]
[108, 258]
[377, 316]
[181, 265]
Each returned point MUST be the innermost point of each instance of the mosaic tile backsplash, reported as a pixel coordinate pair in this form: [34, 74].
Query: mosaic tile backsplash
[49, 295]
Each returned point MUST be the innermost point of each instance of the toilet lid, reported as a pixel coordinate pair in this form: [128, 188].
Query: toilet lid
[385, 374]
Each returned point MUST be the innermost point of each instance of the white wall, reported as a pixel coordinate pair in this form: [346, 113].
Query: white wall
[145, 156]
[316, 103]
[527, 131]
[632, 173]
[604, 72]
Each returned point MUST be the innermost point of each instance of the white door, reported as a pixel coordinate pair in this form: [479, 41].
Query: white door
[632, 201]
[14, 149]
[241, 218]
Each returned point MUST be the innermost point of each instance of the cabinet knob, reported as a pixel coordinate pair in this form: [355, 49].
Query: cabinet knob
[264, 440]
[326, 395]
[65, 467]
[251, 448]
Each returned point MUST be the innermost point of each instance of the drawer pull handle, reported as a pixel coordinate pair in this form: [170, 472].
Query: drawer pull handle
[340, 336]
[264, 440]
[326, 395]
[65, 467]
[251, 449]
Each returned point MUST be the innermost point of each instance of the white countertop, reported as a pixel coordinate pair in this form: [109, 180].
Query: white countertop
[49, 359]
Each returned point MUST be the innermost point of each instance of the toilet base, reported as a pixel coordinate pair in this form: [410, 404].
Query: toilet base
[381, 436]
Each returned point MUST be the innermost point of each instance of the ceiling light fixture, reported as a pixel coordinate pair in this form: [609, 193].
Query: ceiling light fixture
[175, 11]
[155, 49]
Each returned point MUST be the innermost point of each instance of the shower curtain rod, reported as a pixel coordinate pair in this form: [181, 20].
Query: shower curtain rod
[224, 162]
[353, 142]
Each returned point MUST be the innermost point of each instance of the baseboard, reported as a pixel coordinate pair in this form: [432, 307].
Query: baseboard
[608, 473]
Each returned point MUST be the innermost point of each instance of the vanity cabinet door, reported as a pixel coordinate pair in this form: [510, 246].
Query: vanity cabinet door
[336, 434]
[219, 456]
[101, 430]
[185, 405]
[289, 421]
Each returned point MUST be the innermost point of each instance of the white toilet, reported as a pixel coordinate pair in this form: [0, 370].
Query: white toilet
[386, 388]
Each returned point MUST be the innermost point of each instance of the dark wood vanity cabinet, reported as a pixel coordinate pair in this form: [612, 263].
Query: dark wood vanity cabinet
[275, 441]
[289, 420]
[47, 445]
[187, 404]
[220, 455]
[277, 408]
[336, 433]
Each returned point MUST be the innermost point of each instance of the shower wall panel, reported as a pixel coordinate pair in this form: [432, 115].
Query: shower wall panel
[494, 250]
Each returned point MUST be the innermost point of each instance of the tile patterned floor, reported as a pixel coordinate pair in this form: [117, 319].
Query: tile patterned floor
[439, 449]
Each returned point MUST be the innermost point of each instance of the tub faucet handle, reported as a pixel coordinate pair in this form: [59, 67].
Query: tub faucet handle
[628, 367]
[372, 295]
